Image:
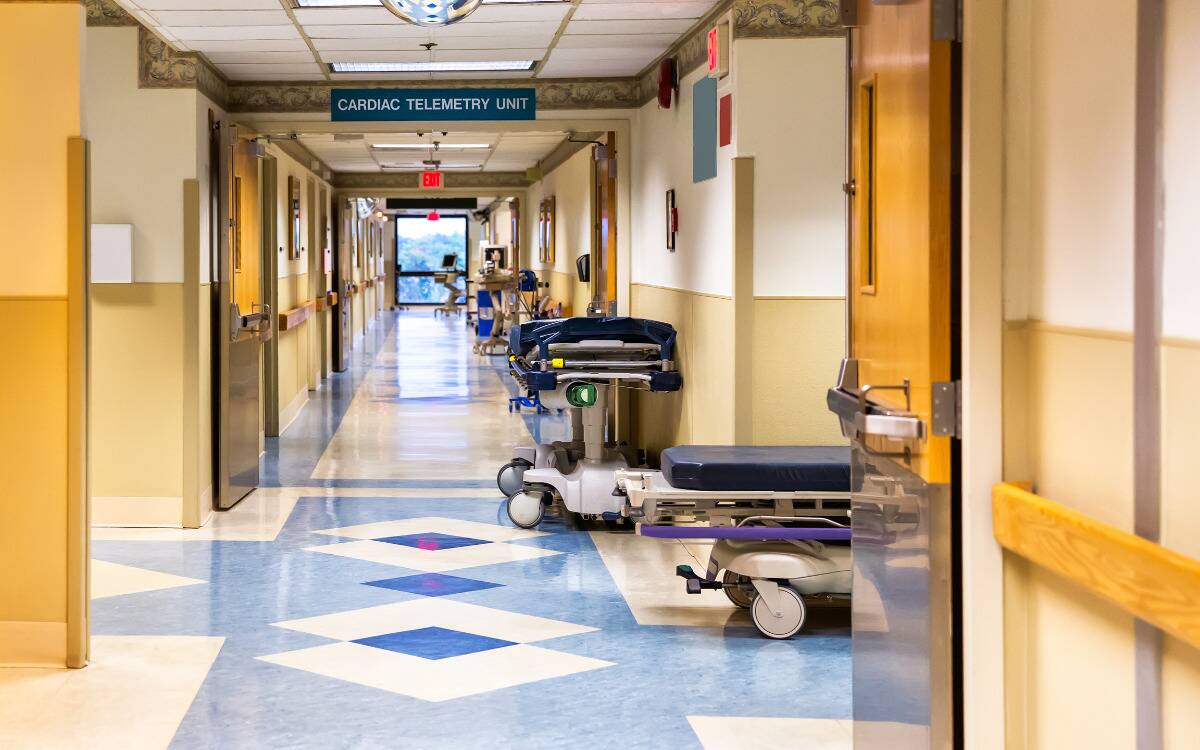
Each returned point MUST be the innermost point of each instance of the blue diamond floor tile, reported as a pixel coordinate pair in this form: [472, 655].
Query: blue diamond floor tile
[432, 541]
[433, 584]
[434, 643]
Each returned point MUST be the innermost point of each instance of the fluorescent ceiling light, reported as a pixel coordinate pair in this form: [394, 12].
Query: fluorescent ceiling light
[441, 146]
[432, 67]
[428, 168]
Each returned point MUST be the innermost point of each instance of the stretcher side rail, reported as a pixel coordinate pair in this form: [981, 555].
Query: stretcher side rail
[747, 533]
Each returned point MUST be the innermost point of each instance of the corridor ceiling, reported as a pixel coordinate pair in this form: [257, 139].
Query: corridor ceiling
[278, 40]
[491, 152]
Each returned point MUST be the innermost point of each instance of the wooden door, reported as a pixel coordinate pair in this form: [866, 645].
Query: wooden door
[901, 269]
[604, 213]
[902, 310]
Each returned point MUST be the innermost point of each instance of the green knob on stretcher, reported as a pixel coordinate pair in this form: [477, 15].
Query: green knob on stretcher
[581, 394]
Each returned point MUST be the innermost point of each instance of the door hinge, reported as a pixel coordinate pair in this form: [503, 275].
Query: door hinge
[947, 20]
[947, 409]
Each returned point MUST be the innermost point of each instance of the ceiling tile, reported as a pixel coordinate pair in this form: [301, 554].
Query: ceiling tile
[657, 26]
[213, 46]
[627, 10]
[180, 18]
[203, 33]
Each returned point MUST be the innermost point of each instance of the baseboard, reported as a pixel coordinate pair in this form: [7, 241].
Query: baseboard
[33, 644]
[139, 512]
[205, 507]
[292, 410]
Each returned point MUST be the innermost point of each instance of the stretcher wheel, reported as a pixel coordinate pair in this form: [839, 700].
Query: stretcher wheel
[740, 597]
[511, 477]
[787, 623]
[525, 509]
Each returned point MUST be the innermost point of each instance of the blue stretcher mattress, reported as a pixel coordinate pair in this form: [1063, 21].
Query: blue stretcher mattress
[730, 468]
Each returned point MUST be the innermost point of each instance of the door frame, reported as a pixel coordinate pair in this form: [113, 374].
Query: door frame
[269, 197]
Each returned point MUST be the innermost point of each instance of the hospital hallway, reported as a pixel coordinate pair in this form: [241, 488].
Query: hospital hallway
[599, 375]
[379, 597]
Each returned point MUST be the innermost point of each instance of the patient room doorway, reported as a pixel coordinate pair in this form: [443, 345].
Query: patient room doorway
[898, 390]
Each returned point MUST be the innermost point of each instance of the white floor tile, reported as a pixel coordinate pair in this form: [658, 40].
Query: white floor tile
[134, 694]
[439, 612]
[436, 679]
[746, 733]
[433, 561]
[644, 571]
[111, 579]
[473, 529]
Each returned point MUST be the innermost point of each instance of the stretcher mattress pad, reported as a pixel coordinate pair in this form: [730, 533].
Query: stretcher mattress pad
[717, 468]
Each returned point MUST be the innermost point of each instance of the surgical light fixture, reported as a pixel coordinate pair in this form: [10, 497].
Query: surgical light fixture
[377, 3]
[464, 66]
[432, 12]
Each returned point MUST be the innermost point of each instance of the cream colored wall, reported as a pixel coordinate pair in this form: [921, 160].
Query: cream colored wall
[1068, 356]
[40, 51]
[702, 413]
[798, 135]
[137, 414]
[662, 160]
[570, 184]
[138, 168]
[295, 344]
[793, 307]
[797, 346]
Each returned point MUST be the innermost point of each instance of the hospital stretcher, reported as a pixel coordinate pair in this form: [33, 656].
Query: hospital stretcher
[574, 364]
[778, 516]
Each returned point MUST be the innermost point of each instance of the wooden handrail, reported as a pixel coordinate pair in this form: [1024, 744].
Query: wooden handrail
[1145, 579]
[297, 315]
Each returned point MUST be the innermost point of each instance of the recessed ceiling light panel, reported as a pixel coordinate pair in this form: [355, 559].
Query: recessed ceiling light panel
[432, 67]
[432, 12]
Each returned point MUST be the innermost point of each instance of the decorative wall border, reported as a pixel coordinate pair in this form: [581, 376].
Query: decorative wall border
[161, 67]
[107, 13]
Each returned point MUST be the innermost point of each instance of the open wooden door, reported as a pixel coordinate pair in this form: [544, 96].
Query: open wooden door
[604, 216]
[897, 396]
[242, 319]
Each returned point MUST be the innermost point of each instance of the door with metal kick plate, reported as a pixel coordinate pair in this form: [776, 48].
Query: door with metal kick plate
[895, 394]
[242, 320]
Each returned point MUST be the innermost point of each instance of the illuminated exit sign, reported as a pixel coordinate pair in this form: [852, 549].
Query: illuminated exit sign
[718, 50]
[431, 180]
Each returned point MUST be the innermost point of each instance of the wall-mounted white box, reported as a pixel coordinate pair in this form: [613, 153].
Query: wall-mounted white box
[112, 253]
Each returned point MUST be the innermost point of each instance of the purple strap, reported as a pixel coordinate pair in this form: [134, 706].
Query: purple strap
[759, 533]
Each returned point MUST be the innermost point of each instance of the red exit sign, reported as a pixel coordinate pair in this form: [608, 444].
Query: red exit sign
[431, 180]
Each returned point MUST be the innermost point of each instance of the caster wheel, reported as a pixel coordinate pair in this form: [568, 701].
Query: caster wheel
[510, 479]
[790, 620]
[525, 509]
[740, 597]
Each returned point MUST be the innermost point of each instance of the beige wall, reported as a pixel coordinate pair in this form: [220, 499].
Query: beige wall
[295, 345]
[790, 241]
[570, 184]
[702, 413]
[43, 590]
[797, 346]
[139, 165]
[1068, 356]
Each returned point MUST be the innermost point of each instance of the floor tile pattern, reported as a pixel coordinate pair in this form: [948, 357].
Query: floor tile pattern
[321, 613]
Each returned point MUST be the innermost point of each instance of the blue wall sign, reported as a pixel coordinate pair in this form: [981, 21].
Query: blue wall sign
[407, 105]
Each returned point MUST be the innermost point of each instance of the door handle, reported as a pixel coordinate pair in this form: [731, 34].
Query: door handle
[860, 417]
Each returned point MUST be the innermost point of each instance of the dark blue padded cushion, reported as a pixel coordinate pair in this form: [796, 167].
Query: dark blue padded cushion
[715, 468]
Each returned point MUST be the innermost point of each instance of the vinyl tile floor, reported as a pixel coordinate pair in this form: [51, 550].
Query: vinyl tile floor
[374, 595]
